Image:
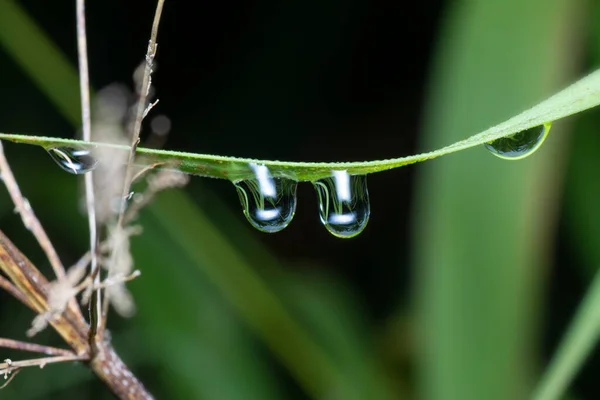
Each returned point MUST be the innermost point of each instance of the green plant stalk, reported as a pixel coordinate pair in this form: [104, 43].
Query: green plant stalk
[574, 348]
[580, 96]
[15, 24]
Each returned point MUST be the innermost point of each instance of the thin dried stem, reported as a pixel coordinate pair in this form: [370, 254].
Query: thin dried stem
[141, 106]
[33, 285]
[33, 224]
[14, 291]
[84, 86]
[142, 110]
[27, 215]
[106, 364]
[161, 181]
[34, 347]
[84, 81]
[10, 378]
[145, 170]
[8, 367]
[118, 279]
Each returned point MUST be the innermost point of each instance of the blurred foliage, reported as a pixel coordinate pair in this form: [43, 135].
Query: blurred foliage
[482, 243]
[225, 312]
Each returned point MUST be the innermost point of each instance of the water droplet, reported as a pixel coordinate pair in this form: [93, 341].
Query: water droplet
[269, 203]
[73, 160]
[521, 144]
[343, 203]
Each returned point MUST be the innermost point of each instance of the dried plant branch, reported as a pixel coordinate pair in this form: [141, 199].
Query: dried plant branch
[8, 367]
[84, 87]
[142, 111]
[27, 215]
[34, 347]
[141, 107]
[162, 180]
[10, 378]
[115, 374]
[106, 364]
[120, 278]
[35, 287]
[54, 302]
[145, 170]
[33, 224]
[84, 81]
[14, 291]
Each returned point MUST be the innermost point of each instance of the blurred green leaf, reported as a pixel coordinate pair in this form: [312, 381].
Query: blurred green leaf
[583, 221]
[40, 58]
[578, 343]
[583, 193]
[186, 319]
[482, 225]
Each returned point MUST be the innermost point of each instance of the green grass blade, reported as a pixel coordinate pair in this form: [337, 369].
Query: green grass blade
[583, 220]
[580, 96]
[578, 343]
[54, 75]
[482, 225]
[58, 80]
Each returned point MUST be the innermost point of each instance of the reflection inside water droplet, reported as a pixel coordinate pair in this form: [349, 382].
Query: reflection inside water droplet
[73, 160]
[521, 144]
[268, 203]
[344, 206]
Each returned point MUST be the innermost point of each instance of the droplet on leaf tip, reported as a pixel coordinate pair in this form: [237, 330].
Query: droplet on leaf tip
[520, 144]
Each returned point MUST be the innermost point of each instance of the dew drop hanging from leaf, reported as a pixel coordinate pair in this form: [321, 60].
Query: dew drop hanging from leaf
[73, 160]
[521, 144]
[344, 206]
[268, 203]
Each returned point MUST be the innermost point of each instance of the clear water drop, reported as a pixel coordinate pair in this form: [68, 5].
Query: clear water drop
[73, 160]
[521, 144]
[268, 203]
[344, 206]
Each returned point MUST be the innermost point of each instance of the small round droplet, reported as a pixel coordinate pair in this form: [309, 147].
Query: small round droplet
[73, 160]
[344, 206]
[521, 144]
[268, 203]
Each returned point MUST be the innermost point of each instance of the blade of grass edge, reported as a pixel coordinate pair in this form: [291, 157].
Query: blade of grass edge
[581, 337]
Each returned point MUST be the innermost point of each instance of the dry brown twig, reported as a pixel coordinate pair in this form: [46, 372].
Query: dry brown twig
[54, 302]
[7, 286]
[28, 216]
[142, 111]
[142, 108]
[10, 378]
[33, 224]
[86, 119]
[8, 366]
[34, 347]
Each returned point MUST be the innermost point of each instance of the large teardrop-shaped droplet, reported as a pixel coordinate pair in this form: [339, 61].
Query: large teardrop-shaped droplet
[73, 160]
[268, 203]
[343, 203]
[521, 144]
